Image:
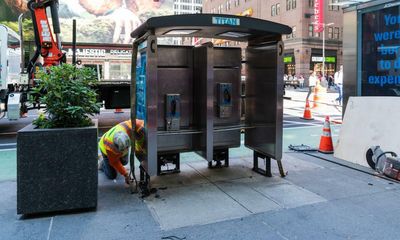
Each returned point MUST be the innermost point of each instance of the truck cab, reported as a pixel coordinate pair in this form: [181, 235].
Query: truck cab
[10, 77]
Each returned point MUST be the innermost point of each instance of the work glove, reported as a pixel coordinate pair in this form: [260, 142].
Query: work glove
[128, 179]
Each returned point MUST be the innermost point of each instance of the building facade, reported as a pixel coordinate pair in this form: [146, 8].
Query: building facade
[187, 6]
[303, 48]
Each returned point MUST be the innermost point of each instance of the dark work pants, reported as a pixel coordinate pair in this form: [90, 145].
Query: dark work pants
[108, 170]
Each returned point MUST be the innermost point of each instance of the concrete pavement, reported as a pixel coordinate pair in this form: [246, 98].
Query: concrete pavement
[317, 200]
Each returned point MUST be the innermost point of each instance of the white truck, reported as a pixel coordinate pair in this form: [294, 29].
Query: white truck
[13, 84]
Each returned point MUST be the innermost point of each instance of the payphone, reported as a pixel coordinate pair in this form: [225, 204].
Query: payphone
[224, 100]
[172, 112]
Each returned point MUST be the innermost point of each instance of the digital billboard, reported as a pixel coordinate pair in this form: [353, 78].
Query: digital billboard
[380, 52]
[98, 21]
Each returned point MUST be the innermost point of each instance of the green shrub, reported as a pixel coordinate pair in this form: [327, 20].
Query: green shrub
[69, 97]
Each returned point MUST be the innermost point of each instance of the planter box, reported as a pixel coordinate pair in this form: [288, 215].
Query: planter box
[56, 169]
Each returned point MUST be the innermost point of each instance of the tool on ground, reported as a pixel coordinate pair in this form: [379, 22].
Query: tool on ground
[379, 160]
[307, 112]
[337, 121]
[326, 145]
[302, 148]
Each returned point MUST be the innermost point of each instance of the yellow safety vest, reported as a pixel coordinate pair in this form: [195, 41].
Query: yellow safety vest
[107, 140]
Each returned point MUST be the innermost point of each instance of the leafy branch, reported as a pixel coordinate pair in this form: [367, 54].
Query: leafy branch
[69, 97]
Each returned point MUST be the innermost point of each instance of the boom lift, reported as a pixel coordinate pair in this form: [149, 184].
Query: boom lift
[14, 84]
[46, 47]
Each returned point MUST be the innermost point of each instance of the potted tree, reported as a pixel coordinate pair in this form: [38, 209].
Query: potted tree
[57, 154]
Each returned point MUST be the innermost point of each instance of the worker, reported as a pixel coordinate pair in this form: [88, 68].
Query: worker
[114, 146]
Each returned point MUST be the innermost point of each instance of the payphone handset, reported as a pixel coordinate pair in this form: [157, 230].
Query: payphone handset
[172, 112]
[224, 100]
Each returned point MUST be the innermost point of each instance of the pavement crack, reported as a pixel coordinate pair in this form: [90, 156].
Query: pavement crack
[50, 227]
[222, 190]
[269, 198]
[276, 231]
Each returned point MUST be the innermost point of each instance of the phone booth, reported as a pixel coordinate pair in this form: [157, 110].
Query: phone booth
[190, 98]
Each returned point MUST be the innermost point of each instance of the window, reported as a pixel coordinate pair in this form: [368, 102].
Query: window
[336, 33]
[333, 7]
[330, 32]
[237, 3]
[293, 34]
[294, 31]
[311, 32]
[275, 9]
[290, 4]
[120, 71]
[13, 46]
[228, 5]
[311, 3]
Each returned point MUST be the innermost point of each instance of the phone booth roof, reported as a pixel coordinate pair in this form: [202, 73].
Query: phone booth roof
[219, 26]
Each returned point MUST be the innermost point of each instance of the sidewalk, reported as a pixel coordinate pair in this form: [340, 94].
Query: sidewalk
[317, 200]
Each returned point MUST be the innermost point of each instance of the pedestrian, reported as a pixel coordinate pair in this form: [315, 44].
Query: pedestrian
[339, 84]
[330, 81]
[312, 82]
[114, 146]
[301, 81]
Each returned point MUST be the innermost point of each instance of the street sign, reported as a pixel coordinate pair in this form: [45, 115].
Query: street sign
[319, 15]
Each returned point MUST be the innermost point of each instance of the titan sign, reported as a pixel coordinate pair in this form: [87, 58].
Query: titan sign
[100, 21]
[319, 15]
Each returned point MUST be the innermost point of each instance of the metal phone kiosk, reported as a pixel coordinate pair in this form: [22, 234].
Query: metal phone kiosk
[190, 98]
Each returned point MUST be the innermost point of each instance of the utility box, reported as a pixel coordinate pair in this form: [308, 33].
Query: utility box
[194, 98]
[14, 106]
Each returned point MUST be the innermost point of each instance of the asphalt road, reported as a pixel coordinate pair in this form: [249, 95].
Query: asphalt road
[9, 129]
[293, 109]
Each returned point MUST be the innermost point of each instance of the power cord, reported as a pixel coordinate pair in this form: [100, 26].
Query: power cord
[173, 238]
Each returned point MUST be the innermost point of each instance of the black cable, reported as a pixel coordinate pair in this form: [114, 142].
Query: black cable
[173, 238]
[384, 153]
[359, 170]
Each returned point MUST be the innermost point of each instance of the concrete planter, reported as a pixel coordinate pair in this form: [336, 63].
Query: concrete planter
[56, 169]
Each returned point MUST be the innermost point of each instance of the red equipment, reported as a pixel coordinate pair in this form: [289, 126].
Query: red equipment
[46, 47]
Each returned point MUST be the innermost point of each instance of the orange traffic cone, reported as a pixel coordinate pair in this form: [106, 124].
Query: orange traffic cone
[307, 112]
[326, 145]
[317, 97]
[118, 110]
